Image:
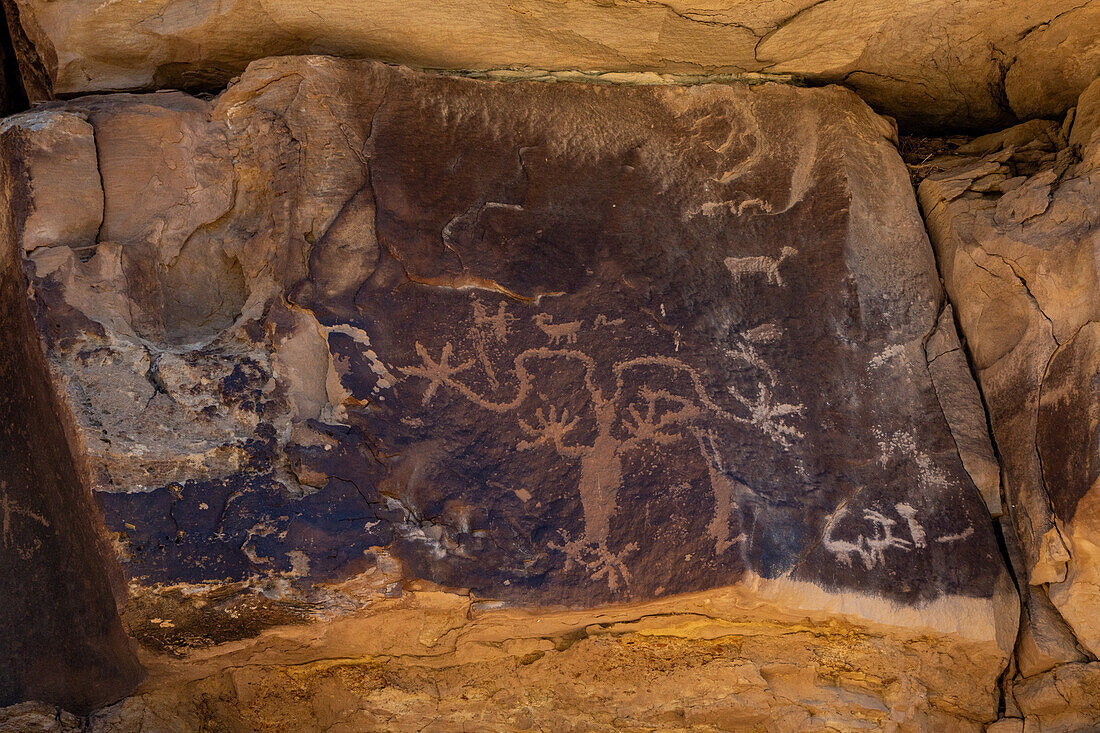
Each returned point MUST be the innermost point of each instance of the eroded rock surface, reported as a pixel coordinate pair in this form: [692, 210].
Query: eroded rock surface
[1014, 217]
[59, 624]
[932, 63]
[349, 327]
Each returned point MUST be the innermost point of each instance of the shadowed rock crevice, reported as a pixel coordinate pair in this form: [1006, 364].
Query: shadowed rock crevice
[13, 96]
[59, 626]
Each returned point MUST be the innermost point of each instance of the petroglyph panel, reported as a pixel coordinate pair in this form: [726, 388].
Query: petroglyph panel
[557, 344]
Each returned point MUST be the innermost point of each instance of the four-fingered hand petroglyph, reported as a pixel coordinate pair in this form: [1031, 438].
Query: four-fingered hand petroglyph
[606, 423]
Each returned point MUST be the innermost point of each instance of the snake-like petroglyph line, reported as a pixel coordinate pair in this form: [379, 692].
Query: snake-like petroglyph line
[619, 420]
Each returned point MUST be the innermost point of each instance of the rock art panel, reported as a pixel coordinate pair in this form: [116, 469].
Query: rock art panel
[560, 345]
[931, 64]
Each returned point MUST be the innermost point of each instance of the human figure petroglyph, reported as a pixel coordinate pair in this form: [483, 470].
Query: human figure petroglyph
[916, 531]
[724, 489]
[10, 509]
[760, 265]
[498, 324]
[494, 328]
[612, 421]
[871, 548]
[767, 414]
[558, 332]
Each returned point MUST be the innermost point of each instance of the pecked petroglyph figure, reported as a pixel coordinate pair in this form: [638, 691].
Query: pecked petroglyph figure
[10, 510]
[764, 265]
[885, 533]
[618, 418]
[558, 332]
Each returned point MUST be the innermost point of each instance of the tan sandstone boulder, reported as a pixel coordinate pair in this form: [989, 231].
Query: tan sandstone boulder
[1014, 218]
[931, 62]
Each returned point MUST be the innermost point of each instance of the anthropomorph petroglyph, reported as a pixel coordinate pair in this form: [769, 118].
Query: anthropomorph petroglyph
[764, 265]
[625, 415]
[886, 533]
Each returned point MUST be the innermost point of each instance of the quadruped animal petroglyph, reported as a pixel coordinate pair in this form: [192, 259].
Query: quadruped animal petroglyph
[764, 265]
[618, 417]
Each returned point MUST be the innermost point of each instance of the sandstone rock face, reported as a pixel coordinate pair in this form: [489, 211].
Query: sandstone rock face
[449, 378]
[933, 63]
[59, 625]
[1014, 217]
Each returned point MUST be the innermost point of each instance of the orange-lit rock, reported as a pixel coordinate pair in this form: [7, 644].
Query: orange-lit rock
[935, 63]
[1013, 216]
[393, 386]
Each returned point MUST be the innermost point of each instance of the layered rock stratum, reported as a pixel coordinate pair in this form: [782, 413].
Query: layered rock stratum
[934, 63]
[429, 400]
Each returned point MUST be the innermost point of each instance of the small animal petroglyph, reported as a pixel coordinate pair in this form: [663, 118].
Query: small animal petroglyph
[601, 321]
[558, 332]
[871, 548]
[760, 265]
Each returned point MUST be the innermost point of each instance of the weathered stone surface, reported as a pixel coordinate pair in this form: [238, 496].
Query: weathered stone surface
[1014, 217]
[60, 634]
[435, 661]
[933, 63]
[962, 406]
[37, 717]
[348, 326]
[1063, 699]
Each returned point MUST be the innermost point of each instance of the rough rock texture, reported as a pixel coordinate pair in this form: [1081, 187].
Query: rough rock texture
[631, 362]
[1014, 218]
[37, 717]
[59, 626]
[432, 661]
[933, 63]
